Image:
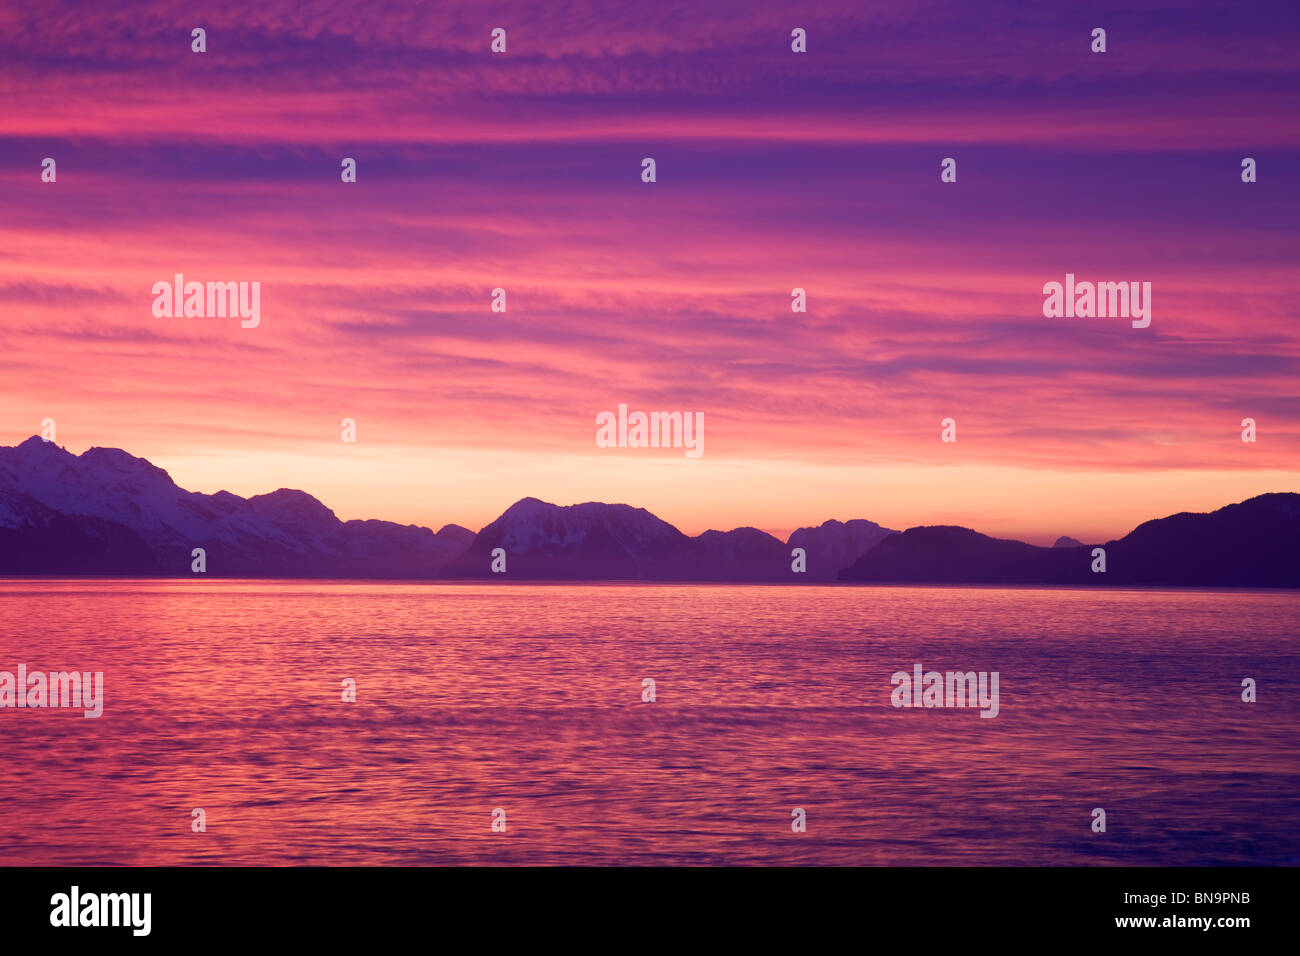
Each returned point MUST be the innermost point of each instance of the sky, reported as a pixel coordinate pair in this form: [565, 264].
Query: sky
[774, 170]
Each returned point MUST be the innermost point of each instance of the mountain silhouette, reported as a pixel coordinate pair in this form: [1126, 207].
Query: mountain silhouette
[835, 545]
[108, 512]
[1255, 543]
[596, 541]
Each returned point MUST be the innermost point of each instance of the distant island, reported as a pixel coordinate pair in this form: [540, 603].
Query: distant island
[106, 512]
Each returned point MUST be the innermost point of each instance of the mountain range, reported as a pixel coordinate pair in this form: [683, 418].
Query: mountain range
[108, 512]
[1255, 543]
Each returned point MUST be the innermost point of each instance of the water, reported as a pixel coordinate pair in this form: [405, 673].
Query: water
[226, 695]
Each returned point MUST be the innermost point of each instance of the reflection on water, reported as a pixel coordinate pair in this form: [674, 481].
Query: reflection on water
[226, 696]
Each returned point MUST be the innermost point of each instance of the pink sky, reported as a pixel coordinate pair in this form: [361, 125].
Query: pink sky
[775, 171]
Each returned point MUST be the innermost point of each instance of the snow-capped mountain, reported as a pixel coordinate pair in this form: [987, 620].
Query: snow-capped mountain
[108, 496]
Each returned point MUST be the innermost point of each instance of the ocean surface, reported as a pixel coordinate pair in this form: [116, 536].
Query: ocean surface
[227, 696]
